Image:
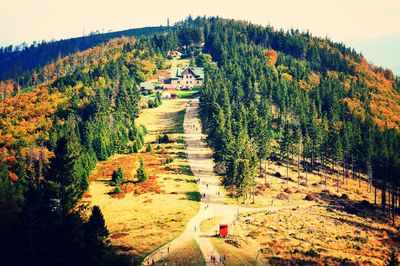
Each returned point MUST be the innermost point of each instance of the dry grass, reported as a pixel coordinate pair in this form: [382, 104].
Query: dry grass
[139, 224]
[208, 224]
[245, 254]
[298, 190]
[188, 254]
[337, 228]
[104, 170]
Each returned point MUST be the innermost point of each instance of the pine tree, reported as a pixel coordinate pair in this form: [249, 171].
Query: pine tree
[141, 174]
[96, 233]
[118, 177]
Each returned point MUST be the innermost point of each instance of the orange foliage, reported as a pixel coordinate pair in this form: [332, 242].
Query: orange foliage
[6, 89]
[385, 101]
[272, 56]
[354, 106]
[105, 169]
[27, 116]
[13, 176]
[127, 187]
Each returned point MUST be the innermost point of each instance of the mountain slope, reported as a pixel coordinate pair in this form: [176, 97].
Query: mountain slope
[17, 60]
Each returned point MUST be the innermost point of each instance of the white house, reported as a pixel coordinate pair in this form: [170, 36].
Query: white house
[185, 78]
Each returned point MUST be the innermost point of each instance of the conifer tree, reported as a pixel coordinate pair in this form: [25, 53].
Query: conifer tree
[141, 174]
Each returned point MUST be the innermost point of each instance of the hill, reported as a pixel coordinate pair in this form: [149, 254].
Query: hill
[19, 59]
[269, 95]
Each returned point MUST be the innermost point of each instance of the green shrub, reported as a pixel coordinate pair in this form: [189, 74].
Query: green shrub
[141, 174]
[118, 177]
[149, 148]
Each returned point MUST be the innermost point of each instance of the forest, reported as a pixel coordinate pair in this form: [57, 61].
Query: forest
[298, 99]
[21, 59]
[269, 95]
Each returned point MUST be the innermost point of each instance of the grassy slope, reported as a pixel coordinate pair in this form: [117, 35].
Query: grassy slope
[140, 223]
[334, 226]
[188, 255]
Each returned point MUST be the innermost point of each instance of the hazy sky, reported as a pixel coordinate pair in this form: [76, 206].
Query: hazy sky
[28, 20]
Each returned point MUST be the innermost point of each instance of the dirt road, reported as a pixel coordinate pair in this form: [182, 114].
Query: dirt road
[212, 201]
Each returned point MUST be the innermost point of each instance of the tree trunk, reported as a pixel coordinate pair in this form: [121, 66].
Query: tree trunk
[298, 169]
[383, 196]
[265, 174]
[287, 170]
[393, 205]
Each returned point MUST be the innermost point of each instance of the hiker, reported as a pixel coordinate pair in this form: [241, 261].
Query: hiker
[224, 256]
[211, 258]
[153, 262]
[220, 259]
[207, 185]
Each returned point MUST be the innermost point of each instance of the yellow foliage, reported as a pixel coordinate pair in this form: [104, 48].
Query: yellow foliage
[314, 79]
[287, 77]
[304, 85]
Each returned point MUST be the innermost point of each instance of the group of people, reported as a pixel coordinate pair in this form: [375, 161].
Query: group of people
[214, 259]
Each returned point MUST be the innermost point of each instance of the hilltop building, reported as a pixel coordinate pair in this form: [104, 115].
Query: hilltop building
[185, 78]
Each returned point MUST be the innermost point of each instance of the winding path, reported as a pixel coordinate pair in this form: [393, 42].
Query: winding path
[201, 164]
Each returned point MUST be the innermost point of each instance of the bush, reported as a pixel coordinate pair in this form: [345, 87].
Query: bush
[310, 196]
[127, 187]
[117, 190]
[287, 190]
[163, 139]
[277, 174]
[312, 253]
[149, 148]
[169, 160]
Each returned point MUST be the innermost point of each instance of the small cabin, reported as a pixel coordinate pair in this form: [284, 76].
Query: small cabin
[223, 230]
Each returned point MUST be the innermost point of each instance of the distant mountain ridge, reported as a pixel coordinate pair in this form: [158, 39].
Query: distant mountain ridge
[16, 60]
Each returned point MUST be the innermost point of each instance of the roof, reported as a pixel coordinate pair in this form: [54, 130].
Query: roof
[177, 72]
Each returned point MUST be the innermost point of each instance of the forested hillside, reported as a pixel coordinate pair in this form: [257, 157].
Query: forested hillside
[79, 110]
[299, 99]
[16, 60]
[285, 96]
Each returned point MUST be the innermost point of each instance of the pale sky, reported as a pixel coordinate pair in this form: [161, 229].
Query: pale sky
[28, 20]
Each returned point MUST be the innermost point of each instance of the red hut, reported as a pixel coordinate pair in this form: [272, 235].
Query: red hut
[223, 230]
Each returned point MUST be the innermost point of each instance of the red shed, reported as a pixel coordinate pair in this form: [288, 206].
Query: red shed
[223, 230]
